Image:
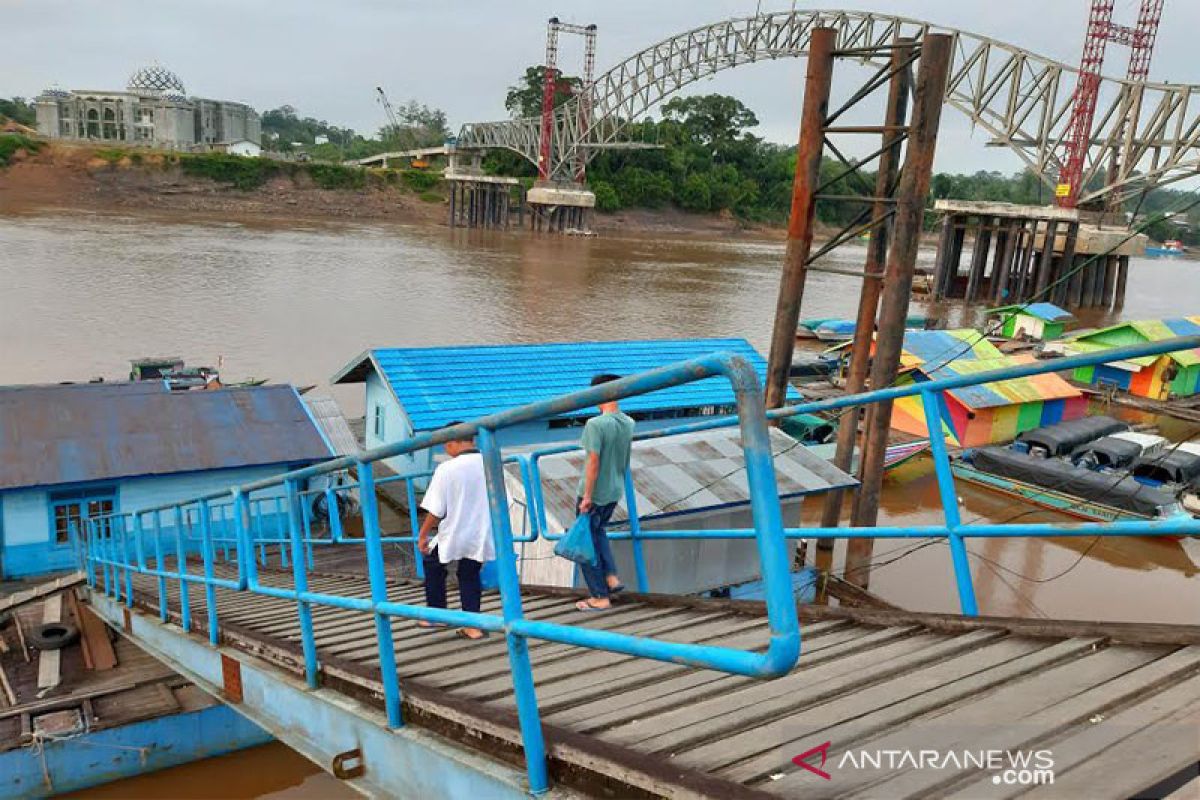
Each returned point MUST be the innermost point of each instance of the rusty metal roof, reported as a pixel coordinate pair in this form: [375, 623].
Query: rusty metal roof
[52, 435]
[685, 474]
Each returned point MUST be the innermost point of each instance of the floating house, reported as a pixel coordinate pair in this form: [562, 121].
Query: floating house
[983, 414]
[89, 449]
[1158, 377]
[410, 390]
[687, 481]
[1040, 321]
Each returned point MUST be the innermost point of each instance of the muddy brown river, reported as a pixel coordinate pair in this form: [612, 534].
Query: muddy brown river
[81, 294]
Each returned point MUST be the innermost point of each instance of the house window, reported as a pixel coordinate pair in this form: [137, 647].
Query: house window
[379, 427]
[68, 508]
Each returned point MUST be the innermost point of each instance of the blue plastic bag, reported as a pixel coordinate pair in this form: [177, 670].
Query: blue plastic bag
[576, 544]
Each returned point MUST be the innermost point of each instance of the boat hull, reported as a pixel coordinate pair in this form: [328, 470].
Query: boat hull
[1040, 496]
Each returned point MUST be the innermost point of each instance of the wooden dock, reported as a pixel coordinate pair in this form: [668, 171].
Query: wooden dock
[1118, 705]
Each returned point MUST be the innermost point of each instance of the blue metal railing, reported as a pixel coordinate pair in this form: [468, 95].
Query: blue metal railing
[116, 544]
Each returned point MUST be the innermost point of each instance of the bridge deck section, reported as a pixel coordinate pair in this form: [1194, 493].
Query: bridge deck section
[1117, 705]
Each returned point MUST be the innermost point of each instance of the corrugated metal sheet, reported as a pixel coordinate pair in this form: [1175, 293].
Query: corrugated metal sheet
[685, 474]
[437, 385]
[334, 424]
[1043, 311]
[1152, 330]
[935, 348]
[52, 435]
[1032, 389]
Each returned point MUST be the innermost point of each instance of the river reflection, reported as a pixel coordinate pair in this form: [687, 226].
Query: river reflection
[83, 293]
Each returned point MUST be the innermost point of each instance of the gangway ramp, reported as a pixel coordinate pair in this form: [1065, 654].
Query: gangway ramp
[1116, 705]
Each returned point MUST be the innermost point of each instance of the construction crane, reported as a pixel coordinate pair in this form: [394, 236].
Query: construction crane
[588, 32]
[1101, 30]
[394, 121]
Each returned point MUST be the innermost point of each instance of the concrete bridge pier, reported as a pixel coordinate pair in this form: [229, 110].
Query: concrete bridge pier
[560, 207]
[1038, 254]
[483, 201]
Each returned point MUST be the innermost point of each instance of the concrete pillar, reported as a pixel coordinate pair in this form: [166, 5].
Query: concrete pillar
[1122, 279]
[1110, 281]
[1075, 283]
[983, 240]
[1045, 261]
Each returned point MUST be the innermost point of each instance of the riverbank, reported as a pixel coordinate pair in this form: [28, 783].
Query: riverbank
[82, 178]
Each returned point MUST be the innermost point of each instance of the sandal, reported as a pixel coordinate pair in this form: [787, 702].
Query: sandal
[462, 634]
[430, 625]
[584, 605]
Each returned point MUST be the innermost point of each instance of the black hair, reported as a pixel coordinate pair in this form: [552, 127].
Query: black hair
[467, 438]
[604, 377]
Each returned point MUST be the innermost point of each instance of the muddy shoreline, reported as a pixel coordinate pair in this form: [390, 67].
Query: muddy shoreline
[64, 179]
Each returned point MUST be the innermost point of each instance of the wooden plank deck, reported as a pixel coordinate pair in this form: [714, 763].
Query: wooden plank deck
[1096, 695]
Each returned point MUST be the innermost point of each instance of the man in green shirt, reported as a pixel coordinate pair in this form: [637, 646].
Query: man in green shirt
[606, 442]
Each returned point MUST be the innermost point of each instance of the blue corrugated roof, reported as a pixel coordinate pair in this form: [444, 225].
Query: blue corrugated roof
[437, 385]
[1043, 311]
[51, 435]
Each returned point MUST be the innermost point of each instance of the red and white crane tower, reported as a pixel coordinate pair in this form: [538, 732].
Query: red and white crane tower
[550, 85]
[1101, 29]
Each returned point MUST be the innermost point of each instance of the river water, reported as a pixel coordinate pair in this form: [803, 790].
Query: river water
[81, 294]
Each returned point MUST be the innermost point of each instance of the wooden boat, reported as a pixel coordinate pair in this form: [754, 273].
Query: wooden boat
[1092, 468]
[842, 330]
[1171, 247]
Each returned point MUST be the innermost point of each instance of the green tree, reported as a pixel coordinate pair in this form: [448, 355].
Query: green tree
[19, 110]
[418, 126]
[695, 194]
[607, 198]
[715, 121]
[524, 98]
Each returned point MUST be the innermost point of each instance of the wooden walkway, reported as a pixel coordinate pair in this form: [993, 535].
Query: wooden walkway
[1118, 705]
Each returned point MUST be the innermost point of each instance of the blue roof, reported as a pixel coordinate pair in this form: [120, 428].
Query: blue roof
[1043, 311]
[438, 385]
[53, 435]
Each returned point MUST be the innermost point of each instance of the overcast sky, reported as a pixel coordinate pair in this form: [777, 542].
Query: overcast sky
[326, 58]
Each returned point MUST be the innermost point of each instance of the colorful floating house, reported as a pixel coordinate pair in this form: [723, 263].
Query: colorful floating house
[409, 390]
[88, 449]
[984, 414]
[1158, 377]
[1040, 321]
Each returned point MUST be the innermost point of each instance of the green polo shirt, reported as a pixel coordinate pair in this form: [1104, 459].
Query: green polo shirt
[609, 436]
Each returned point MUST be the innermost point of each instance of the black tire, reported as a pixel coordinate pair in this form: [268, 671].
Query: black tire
[53, 636]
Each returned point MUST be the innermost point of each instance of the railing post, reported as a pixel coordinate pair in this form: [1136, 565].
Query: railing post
[935, 413]
[335, 519]
[300, 583]
[635, 532]
[376, 572]
[125, 560]
[283, 534]
[510, 601]
[247, 567]
[89, 566]
[206, 555]
[160, 567]
[414, 522]
[185, 601]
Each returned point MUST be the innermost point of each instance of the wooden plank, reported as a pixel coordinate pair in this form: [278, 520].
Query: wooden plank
[10, 696]
[692, 722]
[95, 633]
[1011, 702]
[20, 628]
[895, 702]
[1089, 744]
[73, 600]
[50, 661]
[40, 591]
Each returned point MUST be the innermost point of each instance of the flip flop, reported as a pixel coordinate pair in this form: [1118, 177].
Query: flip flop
[429, 626]
[585, 606]
[620, 587]
[462, 634]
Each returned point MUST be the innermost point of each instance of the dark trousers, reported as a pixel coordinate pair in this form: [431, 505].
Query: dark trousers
[469, 589]
[596, 577]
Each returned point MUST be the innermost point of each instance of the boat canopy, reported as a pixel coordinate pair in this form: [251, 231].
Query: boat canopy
[1064, 438]
[1125, 493]
[1173, 466]
[1109, 451]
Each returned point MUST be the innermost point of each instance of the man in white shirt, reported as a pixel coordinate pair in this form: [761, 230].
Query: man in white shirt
[456, 503]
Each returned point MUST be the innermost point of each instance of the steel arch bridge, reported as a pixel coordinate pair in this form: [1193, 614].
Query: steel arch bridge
[1022, 100]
